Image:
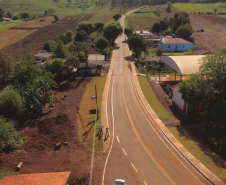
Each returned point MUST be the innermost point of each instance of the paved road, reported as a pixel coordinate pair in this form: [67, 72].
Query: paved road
[140, 154]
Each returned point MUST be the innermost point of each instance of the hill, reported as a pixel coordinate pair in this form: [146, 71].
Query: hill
[62, 7]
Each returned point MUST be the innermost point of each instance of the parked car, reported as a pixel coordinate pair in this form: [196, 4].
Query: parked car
[120, 182]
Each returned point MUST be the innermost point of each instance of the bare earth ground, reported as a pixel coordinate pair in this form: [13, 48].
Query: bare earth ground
[60, 125]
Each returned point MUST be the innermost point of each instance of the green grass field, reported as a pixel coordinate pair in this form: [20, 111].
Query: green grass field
[105, 14]
[152, 100]
[63, 7]
[141, 20]
[9, 24]
[209, 7]
[212, 161]
[188, 7]
[166, 54]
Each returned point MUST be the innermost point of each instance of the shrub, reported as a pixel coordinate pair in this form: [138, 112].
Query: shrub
[11, 104]
[9, 138]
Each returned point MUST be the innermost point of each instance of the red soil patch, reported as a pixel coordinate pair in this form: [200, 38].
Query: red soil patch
[57, 126]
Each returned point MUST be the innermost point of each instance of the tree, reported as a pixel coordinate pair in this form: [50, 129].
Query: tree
[56, 18]
[116, 16]
[9, 15]
[137, 44]
[168, 8]
[102, 43]
[112, 30]
[9, 138]
[125, 5]
[156, 28]
[72, 62]
[185, 31]
[163, 24]
[61, 50]
[6, 67]
[69, 35]
[179, 19]
[1, 14]
[56, 67]
[98, 25]
[72, 48]
[25, 15]
[81, 36]
[215, 11]
[50, 46]
[11, 104]
[159, 52]
[49, 12]
[87, 26]
[128, 31]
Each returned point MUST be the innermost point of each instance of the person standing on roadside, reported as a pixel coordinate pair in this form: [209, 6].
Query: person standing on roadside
[107, 132]
[101, 130]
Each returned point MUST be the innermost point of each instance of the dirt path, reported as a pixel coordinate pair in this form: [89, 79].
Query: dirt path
[60, 125]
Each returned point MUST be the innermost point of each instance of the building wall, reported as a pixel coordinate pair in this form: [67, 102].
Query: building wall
[177, 47]
[177, 98]
[44, 58]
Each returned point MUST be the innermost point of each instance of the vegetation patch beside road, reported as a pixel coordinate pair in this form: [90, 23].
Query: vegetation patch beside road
[152, 100]
[207, 157]
[86, 122]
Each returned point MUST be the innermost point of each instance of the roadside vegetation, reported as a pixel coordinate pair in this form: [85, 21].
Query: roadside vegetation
[86, 122]
[151, 98]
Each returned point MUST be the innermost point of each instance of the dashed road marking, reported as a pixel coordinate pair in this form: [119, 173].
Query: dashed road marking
[134, 167]
[145, 183]
[124, 151]
[117, 139]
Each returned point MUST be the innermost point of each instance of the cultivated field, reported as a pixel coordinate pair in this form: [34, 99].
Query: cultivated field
[10, 36]
[188, 7]
[141, 20]
[34, 42]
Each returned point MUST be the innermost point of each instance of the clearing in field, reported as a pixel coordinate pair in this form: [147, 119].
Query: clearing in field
[188, 7]
[141, 20]
[86, 122]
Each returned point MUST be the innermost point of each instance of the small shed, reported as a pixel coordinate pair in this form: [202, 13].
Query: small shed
[43, 56]
[56, 178]
[92, 69]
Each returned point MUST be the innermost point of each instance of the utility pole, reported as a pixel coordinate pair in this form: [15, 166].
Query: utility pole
[96, 103]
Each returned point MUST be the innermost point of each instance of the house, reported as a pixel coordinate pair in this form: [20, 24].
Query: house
[6, 19]
[43, 56]
[151, 39]
[56, 178]
[174, 44]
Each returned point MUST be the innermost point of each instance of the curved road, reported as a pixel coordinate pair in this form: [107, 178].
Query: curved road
[140, 154]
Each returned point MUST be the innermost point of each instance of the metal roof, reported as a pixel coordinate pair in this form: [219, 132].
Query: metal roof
[174, 41]
[184, 64]
[43, 55]
[96, 59]
[56, 178]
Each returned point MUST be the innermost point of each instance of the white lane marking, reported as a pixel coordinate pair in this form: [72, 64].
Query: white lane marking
[117, 139]
[113, 130]
[134, 167]
[145, 183]
[124, 151]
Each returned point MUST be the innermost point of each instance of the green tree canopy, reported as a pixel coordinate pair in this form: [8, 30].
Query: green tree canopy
[168, 8]
[102, 43]
[1, 14]
[87, 26]
[128, 31]
[50, 46]
[116, 16]
[81, 36]
[9, 15]
[98, 25]
[61, 50]
[180, 19]
[56, 67]
[25, 15]
[9, 138]
[11, 104]
[72, 62]
[112, 30]
[137, 44]
[159, 52]
[156, 28]
[69, 36]
[6, 67]
[72, 48]
[56, 18]
[185, 31]
[49, 12]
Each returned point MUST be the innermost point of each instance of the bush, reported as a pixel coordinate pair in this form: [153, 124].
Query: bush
[11, 104]
[56, 67]
[9, 138]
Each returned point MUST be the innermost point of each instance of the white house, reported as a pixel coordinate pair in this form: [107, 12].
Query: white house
[175, 44]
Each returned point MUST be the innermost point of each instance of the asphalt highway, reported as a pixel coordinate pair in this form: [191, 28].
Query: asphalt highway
[140, 153]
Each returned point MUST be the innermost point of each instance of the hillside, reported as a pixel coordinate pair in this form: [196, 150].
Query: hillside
[62, 7]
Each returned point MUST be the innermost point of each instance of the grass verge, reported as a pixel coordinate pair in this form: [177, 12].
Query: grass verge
[211, 160]
[152, 100]
[7, 172]
[86, 122]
